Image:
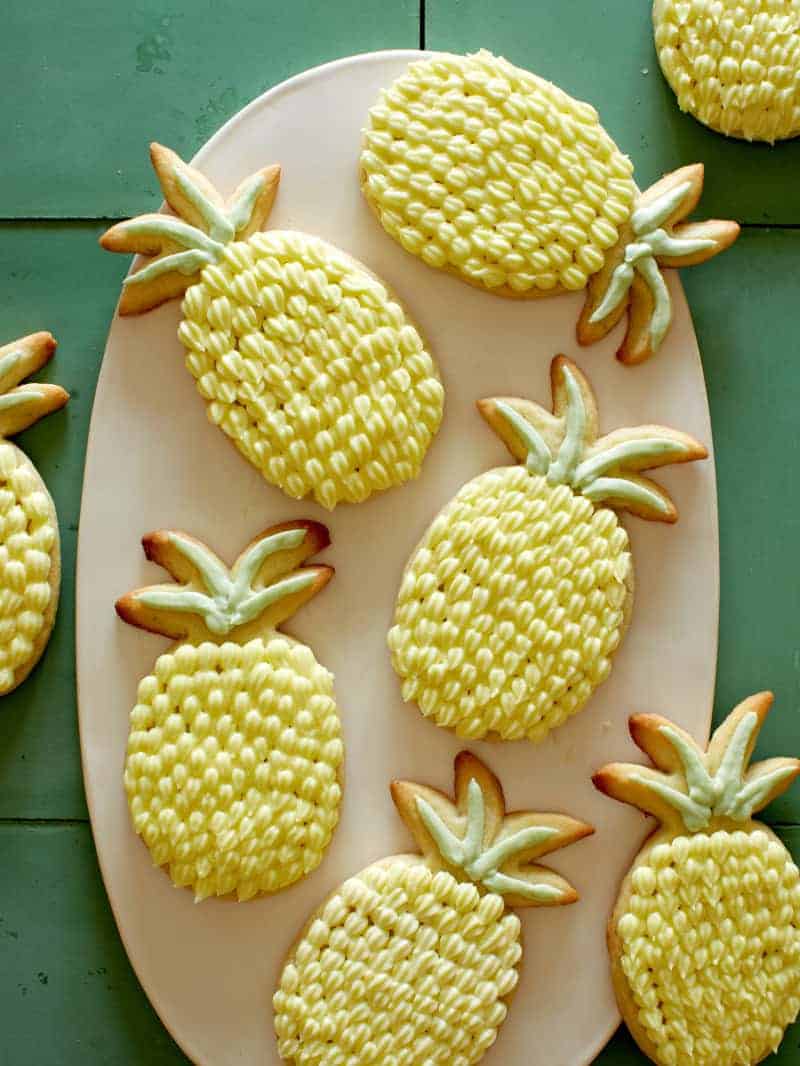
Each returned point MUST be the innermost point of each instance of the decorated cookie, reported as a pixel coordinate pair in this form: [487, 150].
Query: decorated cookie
[304, 359]
[733, 64]
[495, 175]
[30, 557]
[705, 935]
[414, 959]
[518, 595]
[234, 762]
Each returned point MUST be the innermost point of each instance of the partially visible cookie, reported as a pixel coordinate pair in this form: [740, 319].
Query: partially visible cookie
[493, 174]
[30, 557]
[414, 960]
[304, 359]
[512, 606]
[234, 763]
[733, 64]
[705, 934]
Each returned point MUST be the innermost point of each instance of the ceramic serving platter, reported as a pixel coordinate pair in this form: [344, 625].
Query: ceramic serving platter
[155, 461]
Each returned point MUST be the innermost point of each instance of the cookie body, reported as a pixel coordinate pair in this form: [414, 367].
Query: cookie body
[233, 765]
[513, 604]
[311, 368]
[733, 64]
[704, 938]
[511, 608]
[305, 360]
[31, 566]
[706, 943]
[30, 560]
[414, 959]
[401, 964]
[486, 170]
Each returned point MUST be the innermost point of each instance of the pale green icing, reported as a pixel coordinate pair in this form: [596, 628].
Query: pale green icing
[8, 363]
[625, 491]
[218, 225]
[186, 263]
[563, 467]
[173, 229]
[16, 399]
[483, 865]
[623, 454]
[585, 477]
[649, 216]
[640, 256]
[539, 457]
[231, 600]
[241, 210]
[726, 794]
[202, 249]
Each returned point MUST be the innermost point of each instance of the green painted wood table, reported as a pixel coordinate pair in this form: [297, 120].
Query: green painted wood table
[88, 83]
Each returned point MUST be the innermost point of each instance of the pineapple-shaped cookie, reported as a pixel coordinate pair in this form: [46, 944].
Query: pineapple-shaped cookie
[414, 959]
[233, 770]
[705, 935]
[518, 595]
[30, 559]
[303, 358]
[733, 64]
[499, 177]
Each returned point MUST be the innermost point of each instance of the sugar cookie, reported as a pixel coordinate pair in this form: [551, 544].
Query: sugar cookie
[414, 959]
[733, 64]
[233, 771]
[30, 556]
[705, 934]
[518, 595]
[493, 174]
[304, 359]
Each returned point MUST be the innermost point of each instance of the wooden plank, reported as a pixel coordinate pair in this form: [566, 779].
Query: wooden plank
[602, 51]
[65, 981]
[743, 312]
[95, 82]
[53, 276]
[69, 994]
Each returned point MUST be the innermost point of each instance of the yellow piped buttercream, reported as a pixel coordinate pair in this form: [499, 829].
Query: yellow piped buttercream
[710, 946]
[232, 766]
[485, 169]
[27, 537]
[511, 608]
[311, 368]
[400, 965]
[733, 64]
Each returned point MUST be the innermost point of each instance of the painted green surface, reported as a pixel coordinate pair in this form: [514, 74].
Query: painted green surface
[93, 83]
[602, 51]
[92, 87]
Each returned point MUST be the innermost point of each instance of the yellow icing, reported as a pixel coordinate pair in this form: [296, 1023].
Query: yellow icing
[480, 167]
[511, 608]
[733, 64]
[401, 965]
[311, 368]
[27, 539]
[710, 946]
[232, 765]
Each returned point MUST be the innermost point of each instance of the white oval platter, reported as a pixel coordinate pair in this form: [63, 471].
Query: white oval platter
[155, 461]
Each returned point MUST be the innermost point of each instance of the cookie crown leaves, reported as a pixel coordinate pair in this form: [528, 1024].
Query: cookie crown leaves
[691, 788]
[565, 448]
[180, 247]
[655, 236]
[263, 588]
[477, 841]
[22, 405]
